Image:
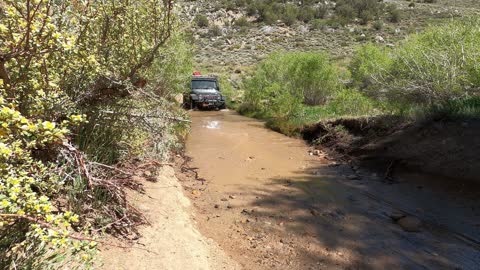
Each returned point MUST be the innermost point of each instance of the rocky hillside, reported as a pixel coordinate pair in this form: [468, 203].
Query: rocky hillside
[230, 36]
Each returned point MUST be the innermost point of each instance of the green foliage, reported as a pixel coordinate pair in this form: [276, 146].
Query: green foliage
[242, 22]
[365, 10]
[429, 68]
[201, 21]
[215, 31]
[350, 102]
[290, 14]
[368, 63]
[284, 81]
[62, 62]
[394, 14]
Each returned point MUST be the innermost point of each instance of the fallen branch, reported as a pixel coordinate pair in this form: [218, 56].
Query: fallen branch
[72, 236]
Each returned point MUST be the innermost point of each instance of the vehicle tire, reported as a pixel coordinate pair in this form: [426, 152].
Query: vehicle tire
[222, 107]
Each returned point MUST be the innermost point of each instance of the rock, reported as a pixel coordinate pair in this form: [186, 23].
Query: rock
[267, 29]
[396, 215]
[231, 197]
[379, 39]
[353, 177]
[303, 29]
[217, 206]
[223, 199]
[410, 224]
[317, 152]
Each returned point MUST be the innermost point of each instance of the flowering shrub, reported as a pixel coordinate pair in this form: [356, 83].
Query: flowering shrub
[26, 183]
[59, 62]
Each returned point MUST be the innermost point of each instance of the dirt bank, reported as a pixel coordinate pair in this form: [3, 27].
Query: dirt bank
[445, 148]
[171, 240]
[270, 204]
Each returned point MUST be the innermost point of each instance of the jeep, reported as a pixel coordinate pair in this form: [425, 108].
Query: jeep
[204, 93]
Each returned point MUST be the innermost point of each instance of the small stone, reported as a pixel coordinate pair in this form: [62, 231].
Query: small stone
[231, 197]
[316, 152]
[395, 215]
[353, 177]
[410, 224]
[217, 206]
[223, 199]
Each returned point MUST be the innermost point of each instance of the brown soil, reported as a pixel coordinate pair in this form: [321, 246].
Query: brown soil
[270, 204]
[444, 148]
[170, 240]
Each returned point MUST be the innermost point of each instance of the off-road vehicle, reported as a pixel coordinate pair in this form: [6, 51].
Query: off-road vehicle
[204, 93]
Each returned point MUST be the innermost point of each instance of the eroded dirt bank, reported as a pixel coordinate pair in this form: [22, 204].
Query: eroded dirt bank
[271, 205]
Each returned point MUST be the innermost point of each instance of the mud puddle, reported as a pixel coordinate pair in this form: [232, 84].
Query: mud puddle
[271, 205]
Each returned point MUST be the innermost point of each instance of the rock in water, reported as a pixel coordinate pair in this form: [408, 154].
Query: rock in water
[410, 224]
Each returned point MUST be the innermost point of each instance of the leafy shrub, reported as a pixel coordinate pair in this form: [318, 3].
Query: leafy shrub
[350, 102]
[394, 14]
[75, 63]
[284, 81]
[378, 25]
[368, 63]
[215, 31]
[366, 10]
[306, 14]
[242, 22]
[318, 24]
[429, 68]
[201, 21]
[321, 11]
[290, 14]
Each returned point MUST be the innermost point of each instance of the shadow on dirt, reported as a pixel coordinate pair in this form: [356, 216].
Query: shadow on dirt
[446, 148]
[346, 224]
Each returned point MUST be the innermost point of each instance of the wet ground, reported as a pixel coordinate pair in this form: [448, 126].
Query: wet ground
[270, 204]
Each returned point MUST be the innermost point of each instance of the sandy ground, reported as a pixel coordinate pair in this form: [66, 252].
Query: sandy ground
[171, 241]
[271, 205]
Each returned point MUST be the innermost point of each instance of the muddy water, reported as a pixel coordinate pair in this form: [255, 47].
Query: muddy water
[234, 150]
[271, 205]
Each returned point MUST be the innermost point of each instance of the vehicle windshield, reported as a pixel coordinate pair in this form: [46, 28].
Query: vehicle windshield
[204, 84]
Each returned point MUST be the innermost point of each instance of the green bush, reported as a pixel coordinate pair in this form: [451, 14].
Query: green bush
[284, 81]
[368, 64]
[429, 68]
[321, 11]
[290, 14]
[306, 14]
[242, 22]
[201, 21]
[394, 14]
[215, 31]
[350, 102]
[366, 10]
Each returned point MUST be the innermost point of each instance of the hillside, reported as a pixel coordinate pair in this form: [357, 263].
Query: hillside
[234, 39]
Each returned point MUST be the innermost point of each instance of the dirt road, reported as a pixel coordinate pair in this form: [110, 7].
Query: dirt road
[271, 205]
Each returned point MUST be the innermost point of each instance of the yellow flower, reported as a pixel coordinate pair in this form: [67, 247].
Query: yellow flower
[5, 203]
[48, 125]
[5, 150]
